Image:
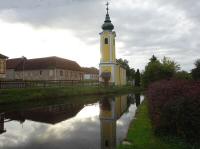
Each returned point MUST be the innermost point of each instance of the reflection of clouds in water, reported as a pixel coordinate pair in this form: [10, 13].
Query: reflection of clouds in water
[89, 111]
[81, 131]
[141, 98]
[15, 131]
[73, 132]
[67, 128]
[124, 121]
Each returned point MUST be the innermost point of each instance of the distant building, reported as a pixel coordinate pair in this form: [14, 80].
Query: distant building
[90, 73]
[48, 68]
[3, 59]
[109, 69]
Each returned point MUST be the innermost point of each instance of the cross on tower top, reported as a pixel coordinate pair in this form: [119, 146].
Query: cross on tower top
[107, 4]
[107, 23]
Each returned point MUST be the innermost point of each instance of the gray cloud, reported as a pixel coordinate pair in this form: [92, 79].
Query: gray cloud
[160, 27]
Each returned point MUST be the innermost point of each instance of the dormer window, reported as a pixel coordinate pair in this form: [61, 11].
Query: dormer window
[106, 40]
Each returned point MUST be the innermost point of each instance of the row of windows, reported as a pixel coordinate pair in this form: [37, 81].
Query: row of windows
[70, 74]
[49, 74]
[61, 72]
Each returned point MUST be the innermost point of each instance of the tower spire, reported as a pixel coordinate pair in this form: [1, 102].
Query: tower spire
[107, 23]
[107, 4]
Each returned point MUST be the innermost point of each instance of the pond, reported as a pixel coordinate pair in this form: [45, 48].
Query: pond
[97, 125]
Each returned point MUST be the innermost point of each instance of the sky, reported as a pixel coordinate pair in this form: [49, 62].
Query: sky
[70, 29]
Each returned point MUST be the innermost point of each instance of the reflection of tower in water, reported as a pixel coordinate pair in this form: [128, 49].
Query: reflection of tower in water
[2, 130]
[137, 98]
[110, 110]
[108, 123]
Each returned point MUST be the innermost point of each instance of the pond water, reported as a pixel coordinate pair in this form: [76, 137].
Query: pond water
[98, 125]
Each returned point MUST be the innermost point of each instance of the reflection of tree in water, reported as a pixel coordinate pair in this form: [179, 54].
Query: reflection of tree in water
[134, 98]
[2, 130]
[131, 98]
[137, 98]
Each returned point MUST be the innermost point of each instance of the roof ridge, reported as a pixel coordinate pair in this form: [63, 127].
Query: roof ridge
[3, 56]
[54, 57]
[51, 62]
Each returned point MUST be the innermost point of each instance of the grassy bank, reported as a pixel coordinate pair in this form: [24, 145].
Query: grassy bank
[37, 94]
[141, 136]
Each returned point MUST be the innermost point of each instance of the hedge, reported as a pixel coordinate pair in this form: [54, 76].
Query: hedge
[175, 108]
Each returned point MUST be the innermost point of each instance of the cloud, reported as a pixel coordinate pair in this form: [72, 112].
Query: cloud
[160, 27]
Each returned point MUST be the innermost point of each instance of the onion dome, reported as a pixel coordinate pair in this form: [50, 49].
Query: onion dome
[107, 23]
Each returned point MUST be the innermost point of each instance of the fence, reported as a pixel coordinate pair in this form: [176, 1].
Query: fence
[46, 83]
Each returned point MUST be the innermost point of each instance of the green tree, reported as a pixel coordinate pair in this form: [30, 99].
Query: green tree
[170, 64]
[124, 63]
[130, 72]
[137, 78]
[183, 75]
[153, 59]
[156, 70]
[151, 72]
[196, 71]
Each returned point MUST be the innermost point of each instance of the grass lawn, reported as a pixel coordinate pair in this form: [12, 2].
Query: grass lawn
[141, 136]
[8, 96]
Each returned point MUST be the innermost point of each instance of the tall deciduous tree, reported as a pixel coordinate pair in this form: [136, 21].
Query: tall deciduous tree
[137, 78]
[196, 71]
[158, 70]
[130, 72]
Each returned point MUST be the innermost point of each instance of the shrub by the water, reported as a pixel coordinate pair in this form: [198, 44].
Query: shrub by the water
[175, 108]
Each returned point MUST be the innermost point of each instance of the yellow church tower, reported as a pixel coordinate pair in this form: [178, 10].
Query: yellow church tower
[109, 70]
[111, 109]
[108, 123]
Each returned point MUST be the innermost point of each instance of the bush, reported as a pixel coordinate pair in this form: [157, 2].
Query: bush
[158, 70]
[175, 108]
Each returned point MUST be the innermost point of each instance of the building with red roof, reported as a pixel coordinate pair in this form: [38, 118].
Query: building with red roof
[47, 68]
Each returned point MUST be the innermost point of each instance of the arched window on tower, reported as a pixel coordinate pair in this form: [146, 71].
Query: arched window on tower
[106, 40]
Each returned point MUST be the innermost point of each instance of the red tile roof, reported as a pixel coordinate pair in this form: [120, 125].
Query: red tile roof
[13, 63]
[3, 56]
[43, 63]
